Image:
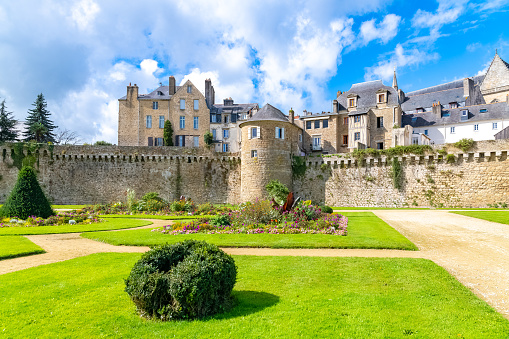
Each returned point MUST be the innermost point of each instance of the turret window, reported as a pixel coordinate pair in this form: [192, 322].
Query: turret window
[254, 133]
[254, 153]
[280, 133]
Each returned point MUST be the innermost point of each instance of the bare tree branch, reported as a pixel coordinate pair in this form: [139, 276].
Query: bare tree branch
[67, 137]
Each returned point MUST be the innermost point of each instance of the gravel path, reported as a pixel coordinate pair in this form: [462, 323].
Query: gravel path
[475, 251]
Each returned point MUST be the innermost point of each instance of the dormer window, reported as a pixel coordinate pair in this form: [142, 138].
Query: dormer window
[419, 110]
[464, 115]
[159, 93]
[453, 105]
[380, 98]
[351, 102]
[483, 110]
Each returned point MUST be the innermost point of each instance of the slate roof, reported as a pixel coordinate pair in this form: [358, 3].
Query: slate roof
[449, 85]
[235, 108]
[154, 94]
[269, 112]
[316, 115]
[495, 111]
[366, 95]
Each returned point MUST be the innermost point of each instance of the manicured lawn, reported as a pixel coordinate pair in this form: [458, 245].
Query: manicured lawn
[152, 216]
[277, 297]
[112, 224]
[378, 208]
[73, 207]
[365, 230]
[495, 216]
[17, 246]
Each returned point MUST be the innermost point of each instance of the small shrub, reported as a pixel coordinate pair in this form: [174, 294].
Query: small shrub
[26, 198]
[464, 144]
[450, 159]
[277, 190]
[221, 220]
[186, 280]
[326, 209]
[151, 196]
[396, 173]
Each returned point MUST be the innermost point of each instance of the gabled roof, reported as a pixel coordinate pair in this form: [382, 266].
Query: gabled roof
[497, 75]
[366, 95]
[235, 108]
[155, 94]
[494, 111]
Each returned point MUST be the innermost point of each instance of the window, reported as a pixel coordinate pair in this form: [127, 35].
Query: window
[345, 139]
[495, 125]
[226, 119]
[300, 137]
[254, 133]
[357, 136]
[159, 141]
[213, 118]
[425, 132]
[351, 102]
[254, 153]
[182, 122]
[483, 110]
[226, 133]
[357, 118]
[415, 141]
[196, 104]
[379, 122]
[189, 89]
[453, 105]
[159, 93]
[419, 110]
[325, 123]
[196, 141]
[225, 148]
[150, 141]
[149, 121]
[280, 133]
[345, 121]
[317, 123]
[181, 141]
[308, 124]
[317, 143]
[476, 127]
[379, 145]
[446, 114]
[381, 98]
[243, 116]
[182, 103]
[161, 121]
[414, 119]
[464, 115]
[214, 134]
[155, 105]
[195, 122]
[453, 129]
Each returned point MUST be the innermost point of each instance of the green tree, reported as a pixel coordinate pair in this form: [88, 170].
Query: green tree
[26, 198]
[102, 143]
[38, 131]
[7, 125]
[208, 138]
[39, 114]
[168, 133]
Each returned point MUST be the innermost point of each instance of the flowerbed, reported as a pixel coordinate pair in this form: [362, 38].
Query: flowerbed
[261, 217]
[72, 217]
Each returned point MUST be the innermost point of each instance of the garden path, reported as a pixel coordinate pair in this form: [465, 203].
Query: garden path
[475, 251]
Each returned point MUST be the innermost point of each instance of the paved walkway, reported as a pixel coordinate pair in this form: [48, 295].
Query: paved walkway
[475, 251]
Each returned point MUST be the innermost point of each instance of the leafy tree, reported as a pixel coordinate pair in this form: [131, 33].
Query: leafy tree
[208, 138]
[38, 131]
[39, 114]
[7, 125]
[168, 133]
[26, 198]
[277, 190]
[102, 143]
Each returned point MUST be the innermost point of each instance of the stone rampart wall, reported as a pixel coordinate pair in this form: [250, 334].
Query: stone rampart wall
[86, 174]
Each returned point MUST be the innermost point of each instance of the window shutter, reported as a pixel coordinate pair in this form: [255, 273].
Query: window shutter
[150, 141]
[250, 134]
[234, 117]
[258, 132]
[282, 133]
[277, 134]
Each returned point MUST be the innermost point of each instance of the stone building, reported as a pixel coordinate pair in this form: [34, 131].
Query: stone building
[141, 118]
[269, 140]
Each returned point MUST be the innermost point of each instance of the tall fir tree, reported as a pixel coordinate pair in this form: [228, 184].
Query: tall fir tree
[39, 114]
[8, 130]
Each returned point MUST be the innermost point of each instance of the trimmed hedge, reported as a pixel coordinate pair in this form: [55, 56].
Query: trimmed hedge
[187, 280]
[26, 198]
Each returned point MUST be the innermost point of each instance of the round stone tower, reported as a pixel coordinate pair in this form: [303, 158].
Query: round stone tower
[269, 140]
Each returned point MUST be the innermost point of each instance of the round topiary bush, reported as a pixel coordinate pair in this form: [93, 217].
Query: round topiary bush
[26, 198]
[186, 280]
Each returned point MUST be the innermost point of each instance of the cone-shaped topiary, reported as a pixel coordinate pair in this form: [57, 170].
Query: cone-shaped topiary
[26, 198]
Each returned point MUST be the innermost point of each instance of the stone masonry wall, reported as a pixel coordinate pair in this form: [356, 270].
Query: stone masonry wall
[86, 174]
[476, 178]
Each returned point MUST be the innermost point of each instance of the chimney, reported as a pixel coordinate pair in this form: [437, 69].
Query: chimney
[291, 115]
[339, 93]
[171, 85]
[132, 92]
[437, 109]
[468, 87]
[228, 102]
[210, 94]
[335, 108]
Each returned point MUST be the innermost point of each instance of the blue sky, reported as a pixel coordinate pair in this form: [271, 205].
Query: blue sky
[83, 53]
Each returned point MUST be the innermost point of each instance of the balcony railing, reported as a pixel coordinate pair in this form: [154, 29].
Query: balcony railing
[317, 147]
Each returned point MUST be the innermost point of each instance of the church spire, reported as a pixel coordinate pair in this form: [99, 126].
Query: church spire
[395, 81]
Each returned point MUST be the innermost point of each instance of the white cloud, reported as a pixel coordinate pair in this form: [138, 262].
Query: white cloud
[385, 31]
[84, 12]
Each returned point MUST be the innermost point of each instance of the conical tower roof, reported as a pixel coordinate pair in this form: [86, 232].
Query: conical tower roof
[269, 112]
